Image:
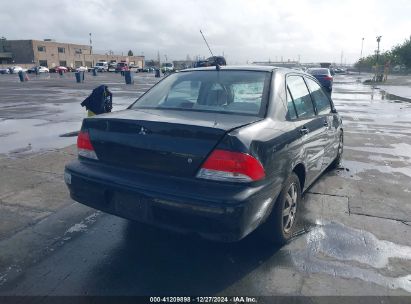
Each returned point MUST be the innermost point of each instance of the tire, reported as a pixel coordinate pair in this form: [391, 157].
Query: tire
[280, 225]
[337, 161]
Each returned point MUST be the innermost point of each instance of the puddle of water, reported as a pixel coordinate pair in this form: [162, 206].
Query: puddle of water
[34, 135]
[400, 149]
[42, 130]
[338, 250]
[356, 167]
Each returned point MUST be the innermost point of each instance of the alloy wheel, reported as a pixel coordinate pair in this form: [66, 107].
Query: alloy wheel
[290, 208]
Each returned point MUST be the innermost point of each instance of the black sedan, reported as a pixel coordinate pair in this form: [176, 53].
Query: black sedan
[218, 151]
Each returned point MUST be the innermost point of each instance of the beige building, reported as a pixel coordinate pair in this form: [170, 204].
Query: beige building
[50, 54]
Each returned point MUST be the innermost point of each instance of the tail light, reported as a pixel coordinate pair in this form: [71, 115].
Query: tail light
[84, 146]
[328, 78]
[230, 166]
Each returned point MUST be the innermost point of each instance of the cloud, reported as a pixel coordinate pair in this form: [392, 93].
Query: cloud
[244, 30]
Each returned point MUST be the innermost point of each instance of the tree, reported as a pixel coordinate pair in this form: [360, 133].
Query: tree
[130, 53]
[403, 53]
[400, 54]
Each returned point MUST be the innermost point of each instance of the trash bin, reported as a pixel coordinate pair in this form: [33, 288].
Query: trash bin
[128, 77]
[22, 76]
[157, 73]
[95, 72]
[61, 72]
[79, 76]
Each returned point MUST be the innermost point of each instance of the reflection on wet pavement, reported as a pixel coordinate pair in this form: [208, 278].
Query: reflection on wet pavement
[330, 245]
[32, 118]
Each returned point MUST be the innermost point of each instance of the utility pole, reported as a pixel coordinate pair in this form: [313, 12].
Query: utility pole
[342, 53]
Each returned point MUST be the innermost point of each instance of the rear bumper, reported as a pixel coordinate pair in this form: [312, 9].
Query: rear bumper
[212, 210]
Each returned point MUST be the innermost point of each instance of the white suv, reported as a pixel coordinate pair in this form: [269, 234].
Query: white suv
[101, 66]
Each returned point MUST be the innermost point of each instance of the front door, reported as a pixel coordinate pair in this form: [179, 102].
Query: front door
[310, 125]
[323, 107]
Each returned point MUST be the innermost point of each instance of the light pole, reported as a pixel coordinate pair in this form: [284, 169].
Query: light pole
[359, 63]
[91, 51]
[378, 47]
[378, 57]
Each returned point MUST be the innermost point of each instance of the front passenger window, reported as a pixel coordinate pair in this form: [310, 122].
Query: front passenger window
[301, 97]
[320, 99]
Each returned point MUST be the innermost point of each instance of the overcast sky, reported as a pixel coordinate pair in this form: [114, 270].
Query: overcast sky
[243, 30]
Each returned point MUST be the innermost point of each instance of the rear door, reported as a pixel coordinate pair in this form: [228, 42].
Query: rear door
[311, 126]
[323, 107]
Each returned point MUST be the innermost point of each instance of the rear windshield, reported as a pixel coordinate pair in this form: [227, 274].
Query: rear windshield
[241, 92]
[318, 71]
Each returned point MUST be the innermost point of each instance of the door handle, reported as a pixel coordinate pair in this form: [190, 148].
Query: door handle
[304, 130]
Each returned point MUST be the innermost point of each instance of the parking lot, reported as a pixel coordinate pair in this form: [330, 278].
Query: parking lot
[354, 231]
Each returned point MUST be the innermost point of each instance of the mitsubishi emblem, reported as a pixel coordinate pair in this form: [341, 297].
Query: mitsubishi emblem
[143, 131]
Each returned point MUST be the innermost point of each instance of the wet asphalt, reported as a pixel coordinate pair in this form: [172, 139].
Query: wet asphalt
[33, 114]
[354, 230]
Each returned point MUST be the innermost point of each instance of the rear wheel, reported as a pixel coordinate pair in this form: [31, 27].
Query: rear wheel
[280, 226]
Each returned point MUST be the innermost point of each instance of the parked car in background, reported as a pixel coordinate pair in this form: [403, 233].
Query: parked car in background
[38, 69]
[101, 66]
[323, 75]
[82, 69]
[32, 70]
[214, 60]
[4, 70]
[57, 69]
[211, 61]
[211, 152]
[43, 69]
[61, 68]
[149, 69]
[167, 67]
[15, 69]
[122, 66]
[201, 64]
[340, 71]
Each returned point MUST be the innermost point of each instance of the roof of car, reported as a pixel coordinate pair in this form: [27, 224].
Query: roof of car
[263, 68]
[236, 67]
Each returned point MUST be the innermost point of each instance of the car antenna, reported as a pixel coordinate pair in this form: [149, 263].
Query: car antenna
[217, 66]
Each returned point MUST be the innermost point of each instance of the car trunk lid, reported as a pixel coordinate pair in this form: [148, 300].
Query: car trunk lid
[159, 141]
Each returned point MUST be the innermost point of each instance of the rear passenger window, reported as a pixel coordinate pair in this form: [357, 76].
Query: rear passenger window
[300, 96]
[320, 98]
